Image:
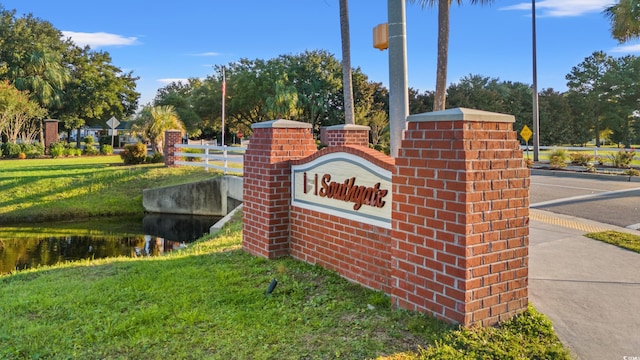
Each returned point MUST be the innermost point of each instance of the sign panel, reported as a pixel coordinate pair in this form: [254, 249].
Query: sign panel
[113, 122]
[345, 185]
[526, 133]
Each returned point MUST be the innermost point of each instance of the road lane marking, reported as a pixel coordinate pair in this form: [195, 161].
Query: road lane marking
[581, 197]
[567, 187]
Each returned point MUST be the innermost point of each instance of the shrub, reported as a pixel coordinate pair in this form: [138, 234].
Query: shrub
[90, 150]
[70, 150]
[32, 150]
[558, 159]
[56, 149]
[581, 158]
[105, 140]
[22, 155]
[134, 154]
[191, 151]
[106, 149]
[156, 158]
[632, 172]
[10, 150]
[88, 140]
[622, 159]
[529, 163]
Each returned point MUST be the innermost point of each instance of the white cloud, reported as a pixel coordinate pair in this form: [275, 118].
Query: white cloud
[98, 39]
[168, 81]
[562, 8]
[627, 49]
[210, 53]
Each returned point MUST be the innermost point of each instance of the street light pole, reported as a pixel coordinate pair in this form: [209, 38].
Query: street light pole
[536, 115]
[398, 79]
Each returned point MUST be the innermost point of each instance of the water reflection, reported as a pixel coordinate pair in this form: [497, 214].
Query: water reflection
[28, 247]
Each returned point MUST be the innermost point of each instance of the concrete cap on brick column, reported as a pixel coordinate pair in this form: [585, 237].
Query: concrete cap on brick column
[174, 131]
[347, 127]
[281, 123]
[50, 120]
[462, 114]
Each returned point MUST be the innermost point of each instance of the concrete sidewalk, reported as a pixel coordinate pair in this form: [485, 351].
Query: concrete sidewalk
[589, 289]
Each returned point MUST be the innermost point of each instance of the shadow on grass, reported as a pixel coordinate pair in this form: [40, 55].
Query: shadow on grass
[207, 298]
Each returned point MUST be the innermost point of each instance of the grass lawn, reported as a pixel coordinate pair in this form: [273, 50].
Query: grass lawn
[623, 240]
[80, 187]
[209, 301]
[604, 153]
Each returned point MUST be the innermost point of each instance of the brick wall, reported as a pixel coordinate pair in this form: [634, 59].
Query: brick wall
[50, 133]
[267, 184]
[350, 135]
[357, 251]
[458, 243]
[171, 137]
[461, 218]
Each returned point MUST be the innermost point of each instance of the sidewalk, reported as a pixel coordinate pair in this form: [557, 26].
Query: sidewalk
[589, 289]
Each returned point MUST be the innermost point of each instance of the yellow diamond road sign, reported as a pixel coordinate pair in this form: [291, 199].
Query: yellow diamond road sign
[526, 133]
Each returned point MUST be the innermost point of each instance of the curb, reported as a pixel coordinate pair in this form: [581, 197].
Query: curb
[564, 173]
[222, 222]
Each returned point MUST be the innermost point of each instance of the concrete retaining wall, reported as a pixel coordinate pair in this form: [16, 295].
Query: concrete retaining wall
[214, 197]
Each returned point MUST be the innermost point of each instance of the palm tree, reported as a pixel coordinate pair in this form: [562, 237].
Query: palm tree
[625, 19]
[154, 121]
[443, 45]
[347, 82]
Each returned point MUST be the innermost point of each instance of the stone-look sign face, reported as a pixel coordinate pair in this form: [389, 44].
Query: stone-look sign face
[344, 185]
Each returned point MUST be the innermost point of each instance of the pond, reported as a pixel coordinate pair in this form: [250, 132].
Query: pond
[27, 246]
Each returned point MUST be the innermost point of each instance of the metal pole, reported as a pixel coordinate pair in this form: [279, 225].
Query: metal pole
[224, 93]
[536, 115]
[398, 79]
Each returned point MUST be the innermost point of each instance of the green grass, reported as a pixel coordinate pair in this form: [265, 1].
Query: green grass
[73, 188]
[623, 240]
[209, 301]
[604, 153]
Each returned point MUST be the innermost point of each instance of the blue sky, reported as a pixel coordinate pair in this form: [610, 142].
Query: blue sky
[163, 41]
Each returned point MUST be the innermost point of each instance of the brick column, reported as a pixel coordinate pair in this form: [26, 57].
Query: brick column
[347, 135]
[171, 137]
[461, 217]
[50, 133]
[267, 184]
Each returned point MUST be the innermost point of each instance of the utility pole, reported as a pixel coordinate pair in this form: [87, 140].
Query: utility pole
[536, 114]
[224, 95]
[398, 79]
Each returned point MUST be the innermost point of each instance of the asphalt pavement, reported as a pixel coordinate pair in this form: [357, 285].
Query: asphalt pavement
[589, 289]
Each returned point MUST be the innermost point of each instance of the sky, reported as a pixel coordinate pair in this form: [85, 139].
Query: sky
[164, 41]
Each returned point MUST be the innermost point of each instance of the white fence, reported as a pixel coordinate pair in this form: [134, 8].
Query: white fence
[223, 158]
[593, 149]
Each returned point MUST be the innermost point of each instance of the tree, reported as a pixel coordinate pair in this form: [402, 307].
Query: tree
[625, 19]
[180, 96]
[623, 83]
[32, 51]
[555, 118]
[587, 80]
[420, 103]
[347, 87]
[97, 90]
[19, 114]
[443, 45]
[154, 121]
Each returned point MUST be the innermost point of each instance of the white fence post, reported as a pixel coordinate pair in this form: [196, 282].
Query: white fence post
[206, 158]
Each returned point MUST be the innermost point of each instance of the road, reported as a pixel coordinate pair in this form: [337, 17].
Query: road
[603, 199]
